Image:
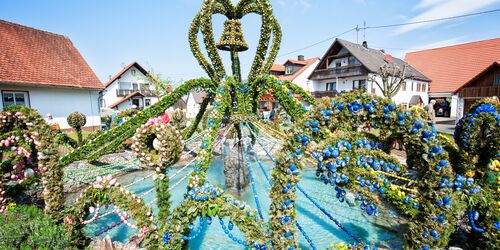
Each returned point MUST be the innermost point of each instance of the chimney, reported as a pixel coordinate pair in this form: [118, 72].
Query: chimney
[301, 58]
[365, 44]
[109, 77]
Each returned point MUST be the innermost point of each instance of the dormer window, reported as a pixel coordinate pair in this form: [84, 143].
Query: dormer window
[288, 70]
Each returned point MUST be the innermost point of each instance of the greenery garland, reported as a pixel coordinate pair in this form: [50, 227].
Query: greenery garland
[28, 151]
[112, 138]
[435, 206]
[107, 191]
[477, 135]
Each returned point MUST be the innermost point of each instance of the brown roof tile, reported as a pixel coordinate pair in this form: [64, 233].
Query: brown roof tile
[278, 68]
[306, 63]
[451, 67]
[125, 98]
[32, 56]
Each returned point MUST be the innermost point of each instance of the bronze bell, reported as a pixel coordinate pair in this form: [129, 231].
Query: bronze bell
[232, 37]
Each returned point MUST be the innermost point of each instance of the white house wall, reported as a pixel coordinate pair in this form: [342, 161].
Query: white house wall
[343, 84]
[402, 97]
[110, 93]
[302, 81]
[60, 102]
[192, 107]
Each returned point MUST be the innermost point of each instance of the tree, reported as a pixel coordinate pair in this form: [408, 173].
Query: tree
[392, 78]
[161, 86]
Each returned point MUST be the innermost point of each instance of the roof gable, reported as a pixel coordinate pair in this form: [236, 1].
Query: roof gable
[493, 66]
[135, 93]
[128, 67]
[32, 56]
[371, 59]
[305, 65]
[451, 67]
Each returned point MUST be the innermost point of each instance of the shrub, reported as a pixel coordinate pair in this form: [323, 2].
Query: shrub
[179, 119]
[26, 227]
[77, 120]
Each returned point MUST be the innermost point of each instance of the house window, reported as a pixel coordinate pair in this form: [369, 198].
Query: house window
[125, 85]
[288, 70]
[15, 98]
[359, 84]
[103, 103]
[424, 87]
[338, 64]
[496, 80]
[135, 86]
[331, 86]
[403, 86]
[418, 87]
[133, 72]
[147, 102]
[352, 60]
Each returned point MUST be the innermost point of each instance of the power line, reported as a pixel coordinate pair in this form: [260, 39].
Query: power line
[458, 48]
[357, 28]
[431, 20]
[317, 43]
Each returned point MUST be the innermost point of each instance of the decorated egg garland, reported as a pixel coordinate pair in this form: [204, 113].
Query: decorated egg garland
[157, 145]
[27, 152]
[332, 133]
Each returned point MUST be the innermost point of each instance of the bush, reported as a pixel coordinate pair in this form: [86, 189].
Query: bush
[26, 227]
[179, 119]
[77, 120]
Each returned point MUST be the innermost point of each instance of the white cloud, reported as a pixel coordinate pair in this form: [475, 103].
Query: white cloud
[434, 9]
[428, 3]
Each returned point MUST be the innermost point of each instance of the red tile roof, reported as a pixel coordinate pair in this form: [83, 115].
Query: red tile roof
[306, 63]
[451, 67]
[278, 68]
[32, 56]
[125, 98]
[491, 67]
[136, 64]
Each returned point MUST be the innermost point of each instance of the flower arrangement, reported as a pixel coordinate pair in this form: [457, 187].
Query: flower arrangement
[27, 154]
[332, 133]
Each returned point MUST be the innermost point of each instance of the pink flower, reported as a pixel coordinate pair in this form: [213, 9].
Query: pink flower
[144, 229]
[68, 220]
[160, 119]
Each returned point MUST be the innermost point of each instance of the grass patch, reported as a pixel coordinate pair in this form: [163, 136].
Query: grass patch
[73, 136]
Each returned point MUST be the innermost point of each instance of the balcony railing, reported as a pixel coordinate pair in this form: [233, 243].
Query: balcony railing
[321, 94]
[125, 92]
[345, 71]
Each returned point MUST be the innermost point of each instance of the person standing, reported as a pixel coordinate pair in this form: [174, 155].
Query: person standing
[431, 112]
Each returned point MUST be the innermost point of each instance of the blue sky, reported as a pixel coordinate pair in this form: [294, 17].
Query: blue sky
[112, 33]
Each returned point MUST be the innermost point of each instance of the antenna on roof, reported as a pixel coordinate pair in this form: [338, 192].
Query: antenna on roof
[357, 33]
[364, 30]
